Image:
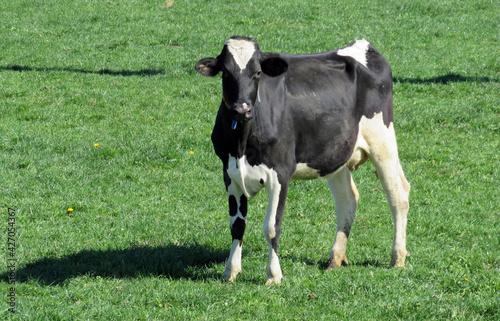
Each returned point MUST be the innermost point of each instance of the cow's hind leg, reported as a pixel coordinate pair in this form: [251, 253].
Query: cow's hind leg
[385, 158]
[346, 197]
[396, 188]
[237, 222]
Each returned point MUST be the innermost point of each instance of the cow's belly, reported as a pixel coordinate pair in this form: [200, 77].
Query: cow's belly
[358, 157]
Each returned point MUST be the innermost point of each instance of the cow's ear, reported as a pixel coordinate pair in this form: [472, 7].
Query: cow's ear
[208, 67]
[274, 66]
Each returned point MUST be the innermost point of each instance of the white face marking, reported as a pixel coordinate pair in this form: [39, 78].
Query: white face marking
[242, 51]
[357, 51]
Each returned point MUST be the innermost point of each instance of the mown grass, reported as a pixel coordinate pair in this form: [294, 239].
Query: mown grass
[148, 235]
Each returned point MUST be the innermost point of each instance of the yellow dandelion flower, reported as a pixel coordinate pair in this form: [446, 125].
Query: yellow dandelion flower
[96, 145]
[70, 209]
[466, 279]
[191, 152]
[48, 41]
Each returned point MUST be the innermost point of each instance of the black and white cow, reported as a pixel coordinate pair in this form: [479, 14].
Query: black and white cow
[285, 117]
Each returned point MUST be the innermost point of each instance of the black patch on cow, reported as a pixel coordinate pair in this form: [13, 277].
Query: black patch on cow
[227, 180]
[274, 244]
[233, 205]
[378, 78]
[347, 229]
[243, 205]
[251, 154]
[238, 229]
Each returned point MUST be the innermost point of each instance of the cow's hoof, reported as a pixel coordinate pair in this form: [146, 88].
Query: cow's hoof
[274, 280]
[397, 263]
[336, 263]
[230, 276]
[398, 258]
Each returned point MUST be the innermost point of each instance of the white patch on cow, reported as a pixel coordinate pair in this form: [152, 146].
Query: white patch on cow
[375, 137]
[241, 50]
[247, 177]
[232, 219]
[357, 51]
[305, 172]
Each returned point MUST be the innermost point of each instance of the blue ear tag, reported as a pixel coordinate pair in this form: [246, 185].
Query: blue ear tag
[233, 125]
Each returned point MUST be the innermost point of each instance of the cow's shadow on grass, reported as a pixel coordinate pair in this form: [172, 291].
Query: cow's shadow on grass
[193, 262]
[171, 261]
[323, 263]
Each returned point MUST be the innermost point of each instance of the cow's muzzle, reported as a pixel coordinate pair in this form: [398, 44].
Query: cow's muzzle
[242, 112]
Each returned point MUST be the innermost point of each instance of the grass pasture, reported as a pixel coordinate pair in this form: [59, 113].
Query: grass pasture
[101, 112]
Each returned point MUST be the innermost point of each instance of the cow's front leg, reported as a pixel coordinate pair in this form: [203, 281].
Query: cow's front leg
[237, 223]
[272, 228]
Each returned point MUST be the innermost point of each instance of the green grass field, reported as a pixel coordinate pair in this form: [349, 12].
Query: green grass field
[103, 113]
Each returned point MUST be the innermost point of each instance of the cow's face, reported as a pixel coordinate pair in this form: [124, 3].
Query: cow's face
[241, 63]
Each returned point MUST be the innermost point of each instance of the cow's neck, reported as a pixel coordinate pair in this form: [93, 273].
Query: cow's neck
[243, 137]
[239, 135]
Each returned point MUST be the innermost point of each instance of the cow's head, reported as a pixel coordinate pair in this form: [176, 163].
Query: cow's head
[242, 64]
